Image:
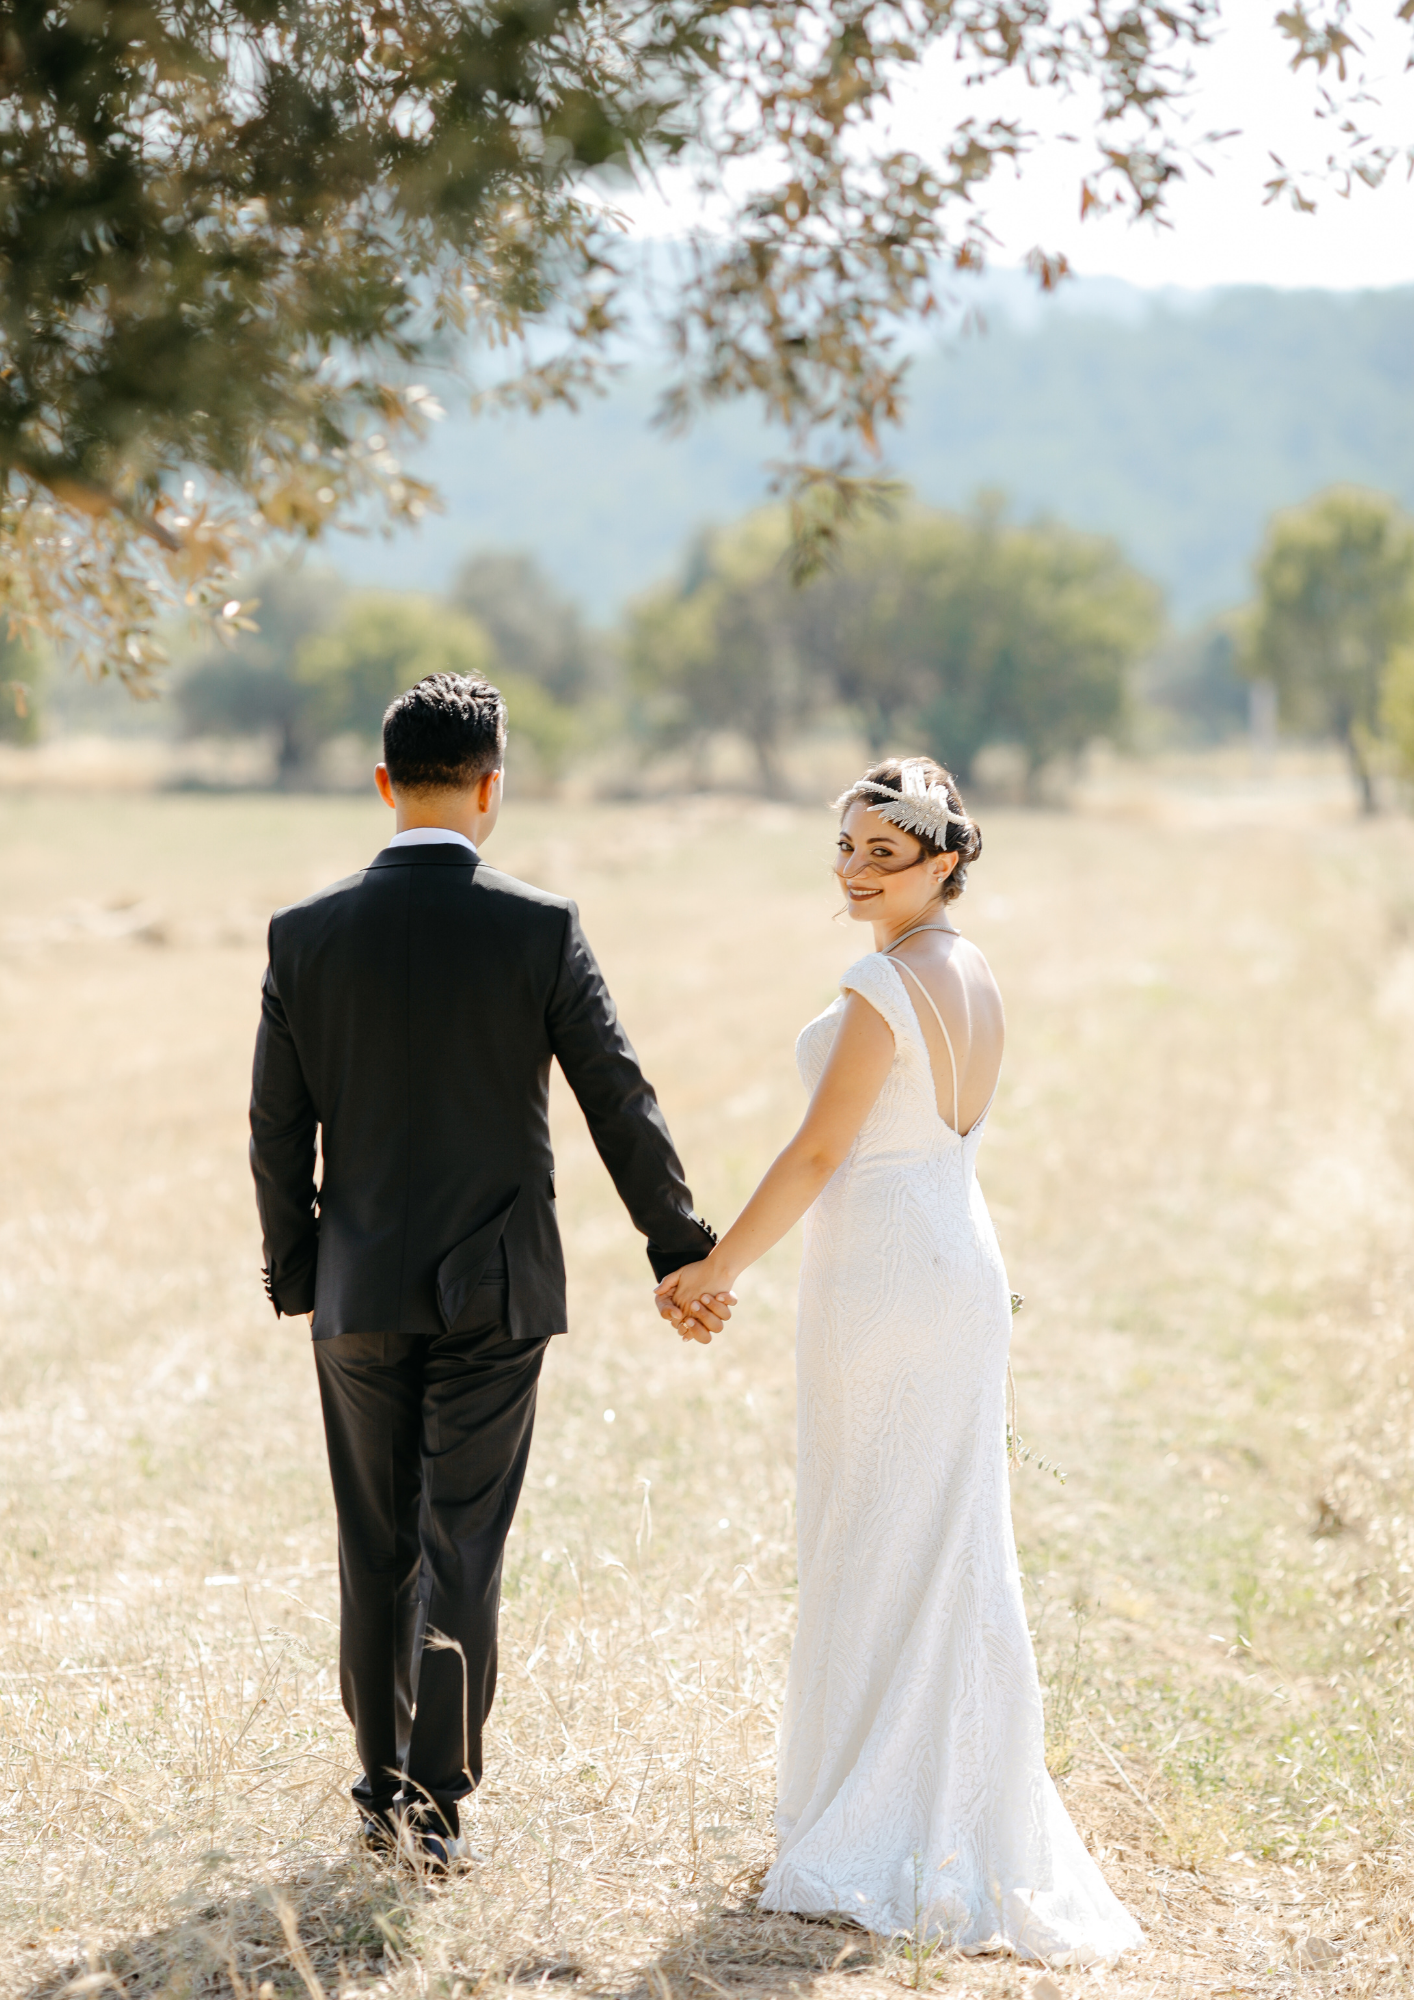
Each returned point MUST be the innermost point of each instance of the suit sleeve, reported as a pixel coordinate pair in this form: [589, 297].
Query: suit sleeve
[283, 1125]
[621, 1109]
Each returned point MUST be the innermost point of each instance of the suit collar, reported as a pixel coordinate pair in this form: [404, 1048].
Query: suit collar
[431, 836]
[428, 854]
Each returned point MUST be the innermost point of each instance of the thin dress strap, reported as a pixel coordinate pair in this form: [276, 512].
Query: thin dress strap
[952, 1059]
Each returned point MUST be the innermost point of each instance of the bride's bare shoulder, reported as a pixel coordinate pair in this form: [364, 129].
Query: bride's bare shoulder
[973, 960]
[977, 972]
[958, 972]
[950, 951]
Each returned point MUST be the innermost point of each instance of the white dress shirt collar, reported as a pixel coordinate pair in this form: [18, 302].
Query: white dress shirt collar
[423, 836]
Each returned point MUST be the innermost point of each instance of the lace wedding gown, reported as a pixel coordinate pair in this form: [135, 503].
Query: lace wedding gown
[913, 1788]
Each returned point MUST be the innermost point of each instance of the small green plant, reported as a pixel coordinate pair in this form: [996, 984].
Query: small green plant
[1065, 1687]
[1018, 1452]
[918, 1949]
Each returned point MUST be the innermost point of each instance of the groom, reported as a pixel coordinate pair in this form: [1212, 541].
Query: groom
[408, 1018]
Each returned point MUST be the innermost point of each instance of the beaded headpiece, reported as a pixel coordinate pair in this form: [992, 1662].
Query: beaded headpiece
[917, 807]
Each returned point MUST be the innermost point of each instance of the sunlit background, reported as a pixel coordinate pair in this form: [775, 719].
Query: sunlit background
[1147, 584]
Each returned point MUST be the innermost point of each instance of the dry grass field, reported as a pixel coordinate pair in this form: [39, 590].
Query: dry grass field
[1201, 1164]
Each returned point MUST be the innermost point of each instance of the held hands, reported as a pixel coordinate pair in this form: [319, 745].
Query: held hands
[697, 1300]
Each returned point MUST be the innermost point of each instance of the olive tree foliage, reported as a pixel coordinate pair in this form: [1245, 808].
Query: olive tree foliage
[537, 633]
[21, 672]
[864, 622]
[719, 651]
[1192, 690]
[964, 631]
[1034, 633]
[250, 684]
[233, 234]
[1335, 603]
[315, 660]
[1397, 705]
[386, 641]
[943, 632]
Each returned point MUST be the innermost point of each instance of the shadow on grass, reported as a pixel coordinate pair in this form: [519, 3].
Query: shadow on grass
[323, 1926]
[747, 1950]
[343, 1925]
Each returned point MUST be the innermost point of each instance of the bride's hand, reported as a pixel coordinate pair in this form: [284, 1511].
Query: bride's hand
[697, 1299]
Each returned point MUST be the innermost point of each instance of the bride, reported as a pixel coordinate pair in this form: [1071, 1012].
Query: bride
[913, 1794]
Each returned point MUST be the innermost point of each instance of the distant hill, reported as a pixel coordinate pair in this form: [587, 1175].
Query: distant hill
[1175, 423]
[1181, 433]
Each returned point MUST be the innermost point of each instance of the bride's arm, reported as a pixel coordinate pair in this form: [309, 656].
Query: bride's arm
[852, 1079]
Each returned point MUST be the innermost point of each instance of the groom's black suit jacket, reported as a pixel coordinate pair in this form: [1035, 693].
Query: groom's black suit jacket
[409, 1014]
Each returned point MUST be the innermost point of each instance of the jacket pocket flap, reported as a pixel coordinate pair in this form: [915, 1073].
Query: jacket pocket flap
[460, 1270]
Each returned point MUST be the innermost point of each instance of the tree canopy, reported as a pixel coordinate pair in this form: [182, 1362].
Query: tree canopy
[21, 670]
[537, 632]
[250, 685]
[720, 650]
[233, 233]
[383, 643]
[318, 661]
[960, 631]
[1335, 600]
[1397, 705]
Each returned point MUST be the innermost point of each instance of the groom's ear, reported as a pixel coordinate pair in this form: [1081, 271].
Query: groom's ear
[486, 790]
[385, 786]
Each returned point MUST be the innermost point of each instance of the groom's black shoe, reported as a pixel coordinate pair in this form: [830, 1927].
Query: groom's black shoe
[429, 1839]
[432, 1853]
[440, 1854]
[378, 1832]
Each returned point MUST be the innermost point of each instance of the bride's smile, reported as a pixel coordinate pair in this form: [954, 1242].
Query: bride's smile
[882, 873]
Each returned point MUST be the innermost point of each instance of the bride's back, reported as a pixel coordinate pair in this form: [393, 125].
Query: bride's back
[958, 980]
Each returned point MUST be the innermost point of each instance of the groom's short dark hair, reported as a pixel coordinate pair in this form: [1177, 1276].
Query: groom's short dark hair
[445, 734]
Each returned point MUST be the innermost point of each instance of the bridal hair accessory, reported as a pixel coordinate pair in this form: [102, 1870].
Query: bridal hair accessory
[919, 808]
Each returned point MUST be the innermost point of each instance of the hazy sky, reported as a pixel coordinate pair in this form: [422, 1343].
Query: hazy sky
[1223, 233]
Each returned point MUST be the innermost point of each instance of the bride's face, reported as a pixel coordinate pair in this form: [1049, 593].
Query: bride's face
[886, 876]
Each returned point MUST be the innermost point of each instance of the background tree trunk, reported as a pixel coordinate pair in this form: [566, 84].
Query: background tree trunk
[1360, 768]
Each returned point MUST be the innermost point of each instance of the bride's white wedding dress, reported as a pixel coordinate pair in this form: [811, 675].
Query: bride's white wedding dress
[913, 1789]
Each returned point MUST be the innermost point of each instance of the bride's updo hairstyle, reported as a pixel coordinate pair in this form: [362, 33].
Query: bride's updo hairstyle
[961, 836]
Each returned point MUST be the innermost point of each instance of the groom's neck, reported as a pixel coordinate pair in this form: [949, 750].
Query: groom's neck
[453, 812]
[470, 810]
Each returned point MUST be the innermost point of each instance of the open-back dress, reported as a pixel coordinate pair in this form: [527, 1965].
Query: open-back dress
[913, 1794]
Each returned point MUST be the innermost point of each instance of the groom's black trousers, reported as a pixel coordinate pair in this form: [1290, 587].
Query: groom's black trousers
[428, 1440]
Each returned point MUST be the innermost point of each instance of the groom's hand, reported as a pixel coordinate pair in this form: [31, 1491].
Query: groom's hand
[701, 1314]
[701, 1320]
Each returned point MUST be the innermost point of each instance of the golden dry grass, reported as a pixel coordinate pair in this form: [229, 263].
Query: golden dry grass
[1201, 1165]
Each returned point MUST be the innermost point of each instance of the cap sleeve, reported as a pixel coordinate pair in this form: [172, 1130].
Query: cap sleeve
[878, 982]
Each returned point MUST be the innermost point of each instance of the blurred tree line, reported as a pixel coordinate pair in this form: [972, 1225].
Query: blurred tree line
[954, 632]
[1329, 631]
[1332, 629]
[311, 660]
[951, 633]
[21, 671]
